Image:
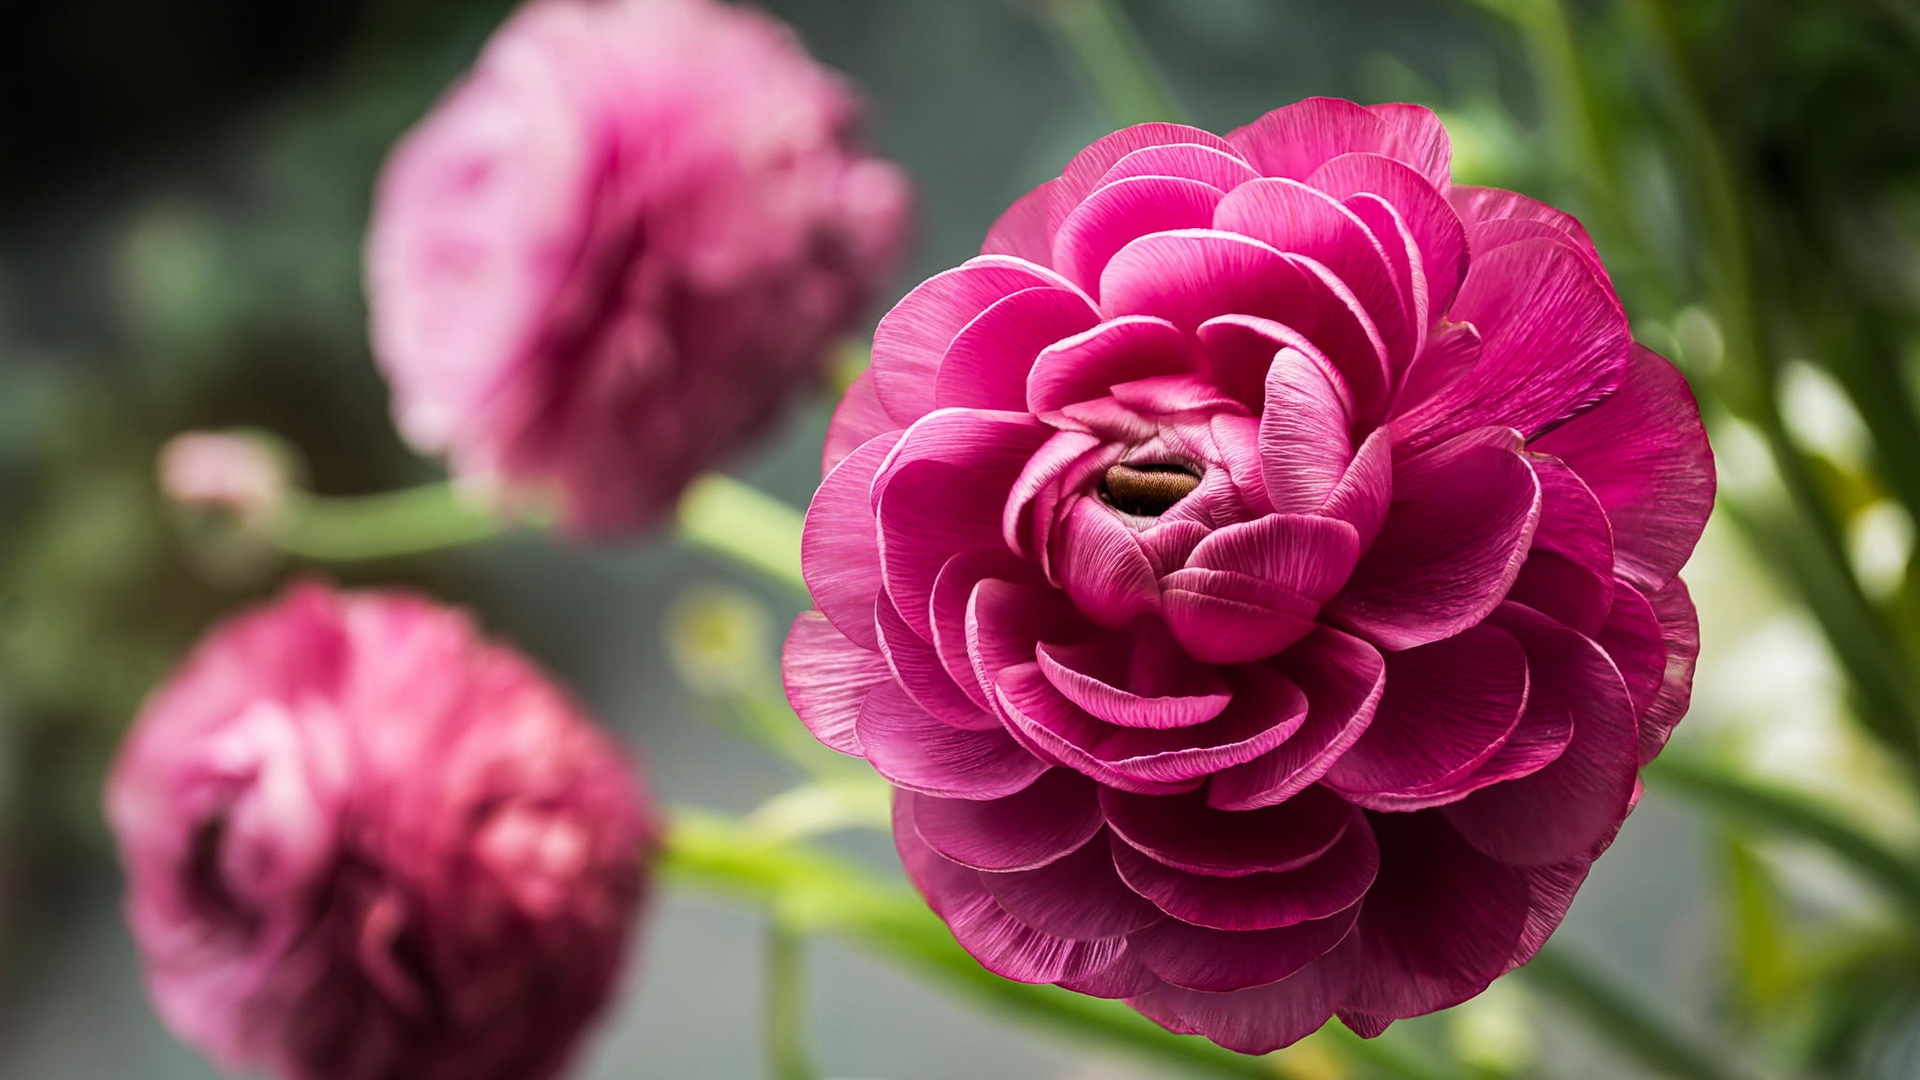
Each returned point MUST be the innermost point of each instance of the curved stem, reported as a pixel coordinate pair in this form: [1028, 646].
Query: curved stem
[1096, 34]
[411, 521]
[732, 519]
[1752, 802]
[786, 1018]
[1626, 1023]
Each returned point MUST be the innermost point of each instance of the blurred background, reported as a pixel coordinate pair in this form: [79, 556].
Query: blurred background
[182, 197]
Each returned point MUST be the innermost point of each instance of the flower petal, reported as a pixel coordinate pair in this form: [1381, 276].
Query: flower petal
[1088, 365]
[1186, 833]
[1030, 828]
[1079, 896]
[986, 366]
[840, 545]
[1436, 229]
[1644, 454]
[1021, 230]
[1343, 677]
[1215, 961]
[827, 679]
[916, 751]
[1261, 1019]
[1329, 884]
[1116, 213]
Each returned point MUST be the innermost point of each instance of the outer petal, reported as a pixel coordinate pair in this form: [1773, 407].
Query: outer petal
[1196, 958]
[1184, 832]
[828, 678]
[1439, 923]
[1553, 343]
[1021, 231]
[858, 418]
[1262, 1019]
[840, 545]
[1296, 139]
[1090, 166]
[1644, 453]
[1115, 214]
[1567, 807]
[1329, 884]
[1436, 229]
[1078, 896]
[986, 366]
[1030, 828]
[917, 752]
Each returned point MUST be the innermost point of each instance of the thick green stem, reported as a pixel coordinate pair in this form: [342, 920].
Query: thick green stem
[1627, 1024]
[726, 516]
[412, 521]
[1754, 803]
[785, 1004]
[1096, 34]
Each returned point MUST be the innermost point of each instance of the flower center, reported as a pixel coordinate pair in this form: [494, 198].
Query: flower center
[1147, 490]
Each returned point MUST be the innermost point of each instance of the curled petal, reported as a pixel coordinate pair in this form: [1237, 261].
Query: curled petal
[1088, 365]
[1436, 229]
[1022, 230]
[1190, 161]
[840, 546]
[914, 750]
[986, 365]
[828, 678]
[1118, 212]
[1644, 454]
[1100, 564]
[1447, 554]
[1342, 677]
[1030, 828]
[1184, 832]
[1329, 884]
[1176, 692]
[857, 419]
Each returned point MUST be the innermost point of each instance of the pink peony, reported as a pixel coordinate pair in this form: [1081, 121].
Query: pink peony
[363, 843]
[1257, 574]
[619, 247]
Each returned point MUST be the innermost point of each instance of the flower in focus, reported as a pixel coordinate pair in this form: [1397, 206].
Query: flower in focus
[1257, 573]
[363, 843]
[619, 247]
[233, 473]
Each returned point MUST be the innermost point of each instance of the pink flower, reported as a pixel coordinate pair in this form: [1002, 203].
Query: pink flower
[363, 843]
[1257, 573]
[618, 247]
[225, 472]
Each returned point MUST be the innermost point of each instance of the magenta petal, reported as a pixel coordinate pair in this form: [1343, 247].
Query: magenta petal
[1192, 275]
[1184, 832]
[1239, 355]
[1452, 350]
[1225, 617]
[840, 546]
[912, 338]
[1266, 709]
[1304, 445]
[1477, 205]
[1294, 140]
[1573, 523]
[1553, 343]
[916, 667]
[1089, 364]
[1436, 229]
[1006, 621]
[1215, 961]
[943, 491]
[1113, 215]
[1439, 923]
[1570, 593]
[1100, 564]
[914, 750]
[1329, 884]
[1001, 943]
[858, 418]
[1030, 828]
[986, 366]
[1446, 554]
[1076, 670]
[1365, 492]
[1079, 896]
[1293, 217]
[1190, 161]
[1090, 166]
[1565, 808]
[1309, 555]
[1261, 1019]
[1448, 707]
[1396, 241]
[1423, 140]
[1645, 455]
[1681, 629]
[1342, 677]
[827, 679]
[948, 609]
[1022, 230]
[1125, 977]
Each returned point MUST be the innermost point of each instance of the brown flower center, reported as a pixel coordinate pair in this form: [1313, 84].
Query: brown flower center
[1147, 490]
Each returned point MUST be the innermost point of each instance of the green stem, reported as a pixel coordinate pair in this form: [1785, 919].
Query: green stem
[412, 521]
[809, 891]
[726, 516]
[786, 1017]
[1626, 1023]
[1096, 34]
[1755, 803]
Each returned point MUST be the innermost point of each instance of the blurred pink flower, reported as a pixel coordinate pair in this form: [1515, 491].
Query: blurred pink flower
[225, 472]
[1258, 574]
[363, 843]
[619, 247]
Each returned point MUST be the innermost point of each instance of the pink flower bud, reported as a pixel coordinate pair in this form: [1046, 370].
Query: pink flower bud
[364, 843]
[617, 249]
[225, 472]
